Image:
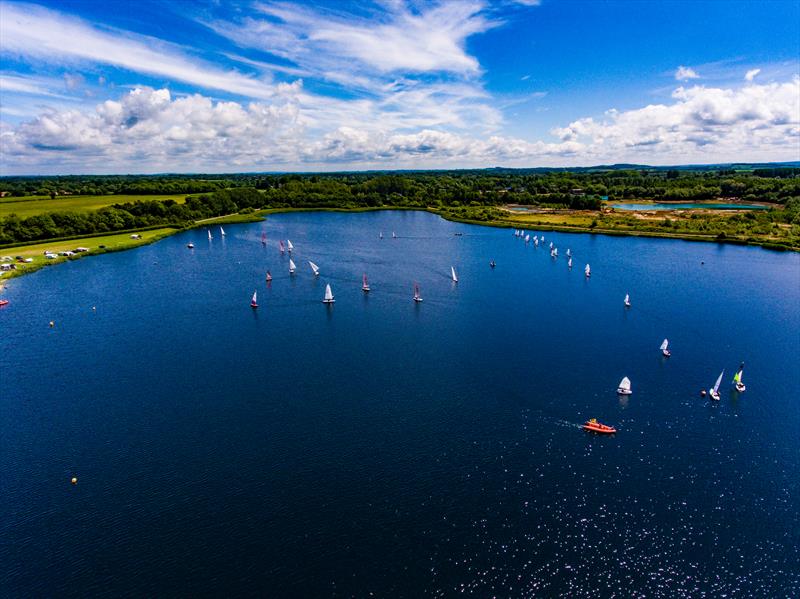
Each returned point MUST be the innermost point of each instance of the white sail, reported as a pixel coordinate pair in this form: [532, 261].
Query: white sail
[551, 245]
[555, 252]
[255, 297]
[292, 266]
[627, 300]
[536, 241]
[222, 231]
[569, 263]
[365, 283]
[289, 245]
[664, 345]
[453, 274]
[314, 267]
[527, 238]
[569, 252]
[209, 234]
[328, 294]
[719, 380]
[625, 384]
[587, 270]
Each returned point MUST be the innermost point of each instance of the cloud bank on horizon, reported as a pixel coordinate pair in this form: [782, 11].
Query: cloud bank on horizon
[278, 85]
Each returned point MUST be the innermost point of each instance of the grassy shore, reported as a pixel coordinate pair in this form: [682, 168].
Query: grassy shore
[109, 243]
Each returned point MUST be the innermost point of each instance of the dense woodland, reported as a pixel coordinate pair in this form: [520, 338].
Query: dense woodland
[469, 194]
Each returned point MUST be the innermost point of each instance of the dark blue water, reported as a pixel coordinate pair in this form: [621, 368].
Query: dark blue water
[379, 446]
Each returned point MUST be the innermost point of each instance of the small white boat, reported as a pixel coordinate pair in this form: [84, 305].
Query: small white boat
[665, 348]
[555, 252]
[292, 266]
[190, 245]
[624, 386]
[417, 296]
[254, 301]
[269, 276]
[737, 379]
[394, 235]
[527, 238]
[714, 391]
[314, 267]
[222, 231]
[328, 299]
[541, 238]
[209, 234]
[569, 253]
[551, 245]
[536, 242]
[587, 271]
[289, 246]
[453, 274]
[627, 301]
[569, 263]
[381, 235]
[280, 245]
[364, 284]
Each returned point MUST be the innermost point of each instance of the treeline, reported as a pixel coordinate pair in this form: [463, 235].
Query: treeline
[486, 186]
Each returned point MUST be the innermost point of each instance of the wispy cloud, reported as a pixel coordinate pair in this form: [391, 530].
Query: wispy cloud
[683, 73]
[751, 74]
[52, 37]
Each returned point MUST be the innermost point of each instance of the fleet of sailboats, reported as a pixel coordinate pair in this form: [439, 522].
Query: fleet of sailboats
[624, 387]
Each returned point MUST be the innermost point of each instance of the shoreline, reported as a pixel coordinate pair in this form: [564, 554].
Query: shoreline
[260, 215]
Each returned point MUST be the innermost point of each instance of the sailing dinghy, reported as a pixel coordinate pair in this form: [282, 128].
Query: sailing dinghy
[714, 391]
[624, 386]
[453, 274]
[737, 379]
[292, 266]
[364, 284]
[222, 231]
[587, 271]
[289, 246]
[328, 299]
[269, 277]
[314, 267]
[280, 245]
[209, 234]
[569, 263]
[665, 348]
[254, 301]
[627, 301]
[417, 296]
[264, 239]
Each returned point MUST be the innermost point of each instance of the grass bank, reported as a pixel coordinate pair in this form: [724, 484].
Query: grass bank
[31, 206]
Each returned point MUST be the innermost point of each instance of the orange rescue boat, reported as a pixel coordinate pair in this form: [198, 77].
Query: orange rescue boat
[595, 427]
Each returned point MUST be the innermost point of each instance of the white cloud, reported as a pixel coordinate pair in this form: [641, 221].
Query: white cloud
[685, 73]
[751, 74]
[148, 130]
[34, 32]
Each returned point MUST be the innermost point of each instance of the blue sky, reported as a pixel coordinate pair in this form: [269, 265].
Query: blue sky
[213, 86]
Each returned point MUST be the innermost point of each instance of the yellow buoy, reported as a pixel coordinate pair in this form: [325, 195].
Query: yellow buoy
[52, 323]
[74, 480]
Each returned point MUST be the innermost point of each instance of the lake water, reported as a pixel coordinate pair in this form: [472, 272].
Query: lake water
[689, 206]
[401, 449]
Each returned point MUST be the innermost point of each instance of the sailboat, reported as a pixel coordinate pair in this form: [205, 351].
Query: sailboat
[714, 392]
[264, 239]
[737, 379]
[190, 245]
[209, 234]
[555, 252]
[551, 245]
[569, 263]
[381, 235]
[394, 235]
[536, 242]
[328, 299]
[254, 301]
[292, 266]
[627, 301]
[314, 267]
[492, 264]
[222, 231]
[280, 245]
[289, 246]
[624, 386]
[665, 348]
[364, 284]
[569, 253]
[417, 296]
[453, 274]
[269, 277]
[588, 271]
[527, 238]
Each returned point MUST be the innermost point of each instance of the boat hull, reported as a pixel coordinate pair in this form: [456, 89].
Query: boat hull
[596, 427]
[624, 392]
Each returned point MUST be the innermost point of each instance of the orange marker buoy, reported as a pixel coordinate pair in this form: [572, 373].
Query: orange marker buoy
[74, 480]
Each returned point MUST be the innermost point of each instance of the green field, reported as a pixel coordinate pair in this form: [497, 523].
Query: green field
[32, 205]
